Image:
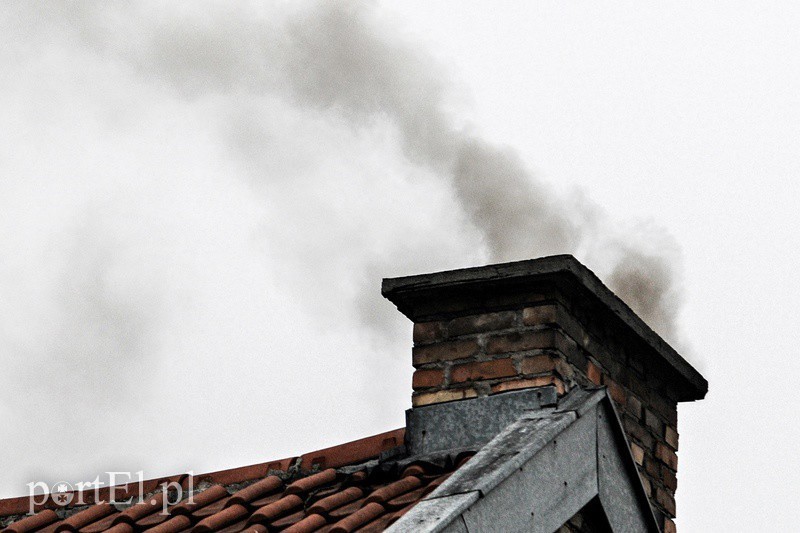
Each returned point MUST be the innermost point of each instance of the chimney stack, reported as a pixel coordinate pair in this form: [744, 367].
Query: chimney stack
[551, 323]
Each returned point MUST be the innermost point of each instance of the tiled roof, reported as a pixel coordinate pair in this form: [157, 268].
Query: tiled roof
[346, 489]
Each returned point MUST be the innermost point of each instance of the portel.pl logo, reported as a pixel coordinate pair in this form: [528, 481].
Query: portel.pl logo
[63, 494]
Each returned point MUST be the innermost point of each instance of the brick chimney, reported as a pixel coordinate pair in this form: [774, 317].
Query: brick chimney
[549, 322]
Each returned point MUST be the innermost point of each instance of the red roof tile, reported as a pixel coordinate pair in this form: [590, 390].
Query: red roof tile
[369, 497]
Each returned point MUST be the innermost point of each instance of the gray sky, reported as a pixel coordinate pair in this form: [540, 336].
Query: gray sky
[197, 204]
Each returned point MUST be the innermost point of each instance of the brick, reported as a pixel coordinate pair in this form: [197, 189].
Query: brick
[671, 437]
[499, 368]
[648, 488]
[634, 407]
[444, 351]
[669, 526]
[652, 467]
[666, 501]
[616, 391]
[564, 369]
[669, 478]
[448, 395]
[667, 456]
[541, 314]
[529, 383]
[666, 409]
[653, 422]
[427, 332]
[635, 430]
[422, 379]
[481, 323]
[520, 341]
[594, 374]
[638, 453]
[537, 364]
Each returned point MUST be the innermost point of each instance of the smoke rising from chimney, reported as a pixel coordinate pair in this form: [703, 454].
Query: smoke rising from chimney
[335, 57]
[215, 156]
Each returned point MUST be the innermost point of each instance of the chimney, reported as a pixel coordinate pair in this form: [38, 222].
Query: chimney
[549, 324]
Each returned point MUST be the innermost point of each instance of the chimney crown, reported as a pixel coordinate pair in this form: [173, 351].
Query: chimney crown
[484, 298]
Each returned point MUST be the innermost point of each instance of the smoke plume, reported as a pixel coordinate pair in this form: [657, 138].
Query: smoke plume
[189, 190]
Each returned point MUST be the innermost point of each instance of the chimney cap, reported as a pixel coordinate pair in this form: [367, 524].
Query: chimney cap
[562, 271]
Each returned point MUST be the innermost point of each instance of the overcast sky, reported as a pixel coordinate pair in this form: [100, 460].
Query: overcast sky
[198, 202]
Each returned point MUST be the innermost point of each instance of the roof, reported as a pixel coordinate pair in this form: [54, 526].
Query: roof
[547, 459]
[540, 471]
[413, 296]
[336, 497]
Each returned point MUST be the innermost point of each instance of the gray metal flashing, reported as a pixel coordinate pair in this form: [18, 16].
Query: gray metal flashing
[538, 472]
[565, 270]
[436, 514]
[464, 424]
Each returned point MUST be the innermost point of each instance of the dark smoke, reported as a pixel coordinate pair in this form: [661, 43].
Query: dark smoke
[314, 150]
[335, 57]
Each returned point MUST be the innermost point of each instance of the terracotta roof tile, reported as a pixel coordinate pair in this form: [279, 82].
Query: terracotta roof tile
[346, 510]
[405, 499]
[306, 484]
[173, 525]
[99, 525]
[258, 528]
[140, 510]
[258, 489]
[363, 516]
[120, 528]
[266, 500]
[210, 509]
[151, 520]
[210, 495]
[308, 524]
[83, 518]
[379, 524]
[325, 505]
[395, 489]
[236, 527]
[352, 452]
[221, 519]
[361, 496]
[288, 520]
[33, 522]
[276, 509]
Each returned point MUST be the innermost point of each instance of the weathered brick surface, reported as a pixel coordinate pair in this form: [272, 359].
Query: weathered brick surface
[653, 422]
[634, 407]
[671, 436]
[638, 453]
[499, 368]
[541, 314]
[615, 390]
[594, 374]
[427, 332]
[520, 341]
[541, 381]
[669, 478]
[428, 378]
[666, 500]
[537, 364]
[448, 395]
[667, 456]
[444, 351]
[481, 323]
[545, 344]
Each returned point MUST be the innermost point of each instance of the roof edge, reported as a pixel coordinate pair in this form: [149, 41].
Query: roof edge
[352, 452]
